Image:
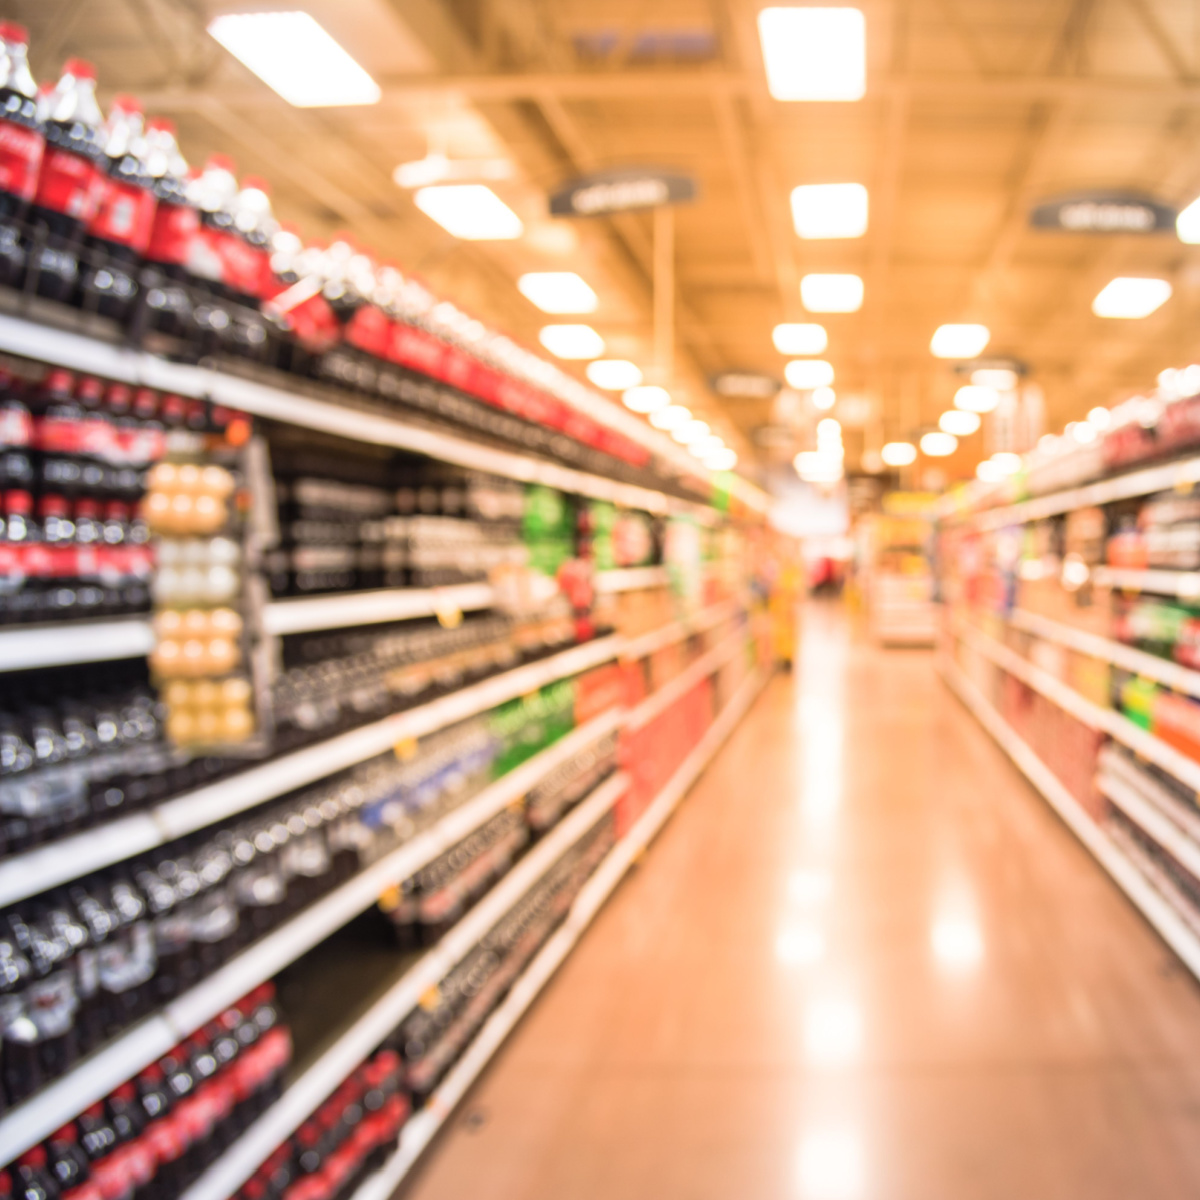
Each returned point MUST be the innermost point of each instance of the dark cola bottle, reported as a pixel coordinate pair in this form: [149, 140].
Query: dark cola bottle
[21, 149]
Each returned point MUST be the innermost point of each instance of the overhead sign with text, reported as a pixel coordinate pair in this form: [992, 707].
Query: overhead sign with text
[623, 189]
[1104, 212]
[746, 385]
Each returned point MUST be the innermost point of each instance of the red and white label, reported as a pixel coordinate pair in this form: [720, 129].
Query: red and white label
[21, 153]
[68, 184]
[124, 215]
[172, 232]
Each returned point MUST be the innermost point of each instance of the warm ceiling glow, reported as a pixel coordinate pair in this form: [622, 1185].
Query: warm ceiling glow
[832, 1164]
[824, 398]
[831, 293]
[470, 211]
[973, 398]
[807, 373]
[648, 399]
[571, 341]
[799, 338]
[990, 472]
[898, 454]
[1007, 462]
[721, 460]
[960, 422]
[558, 292]
[829, 210]
[818, 466]
[705, 446]
[1187, 224]
[670, 418]
[691, 431]
[959, 341]
[291, 53]
[814, 53]
[1001, 379]
[938, 444]
[614, 374]
[1130, 299]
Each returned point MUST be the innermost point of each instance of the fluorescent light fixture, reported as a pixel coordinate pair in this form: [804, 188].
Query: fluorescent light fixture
[292, 54]
[829, 210]
[814, 53]
[1128, 298]
[960, 422]
[437, 168]
[800, 339]
[1187, 224]
[959, 341]
[806, 373]
[571, 341]
[824, 398]
[1007, 462]
[558, 292]
[831, 293]
[829, 429]
[706, 446]
[471, 211]
[899, 454]
[973, 398]
[1001, 379]
[721, 460]
[647, 399]
[990, 472]
[670, 418]
[614, 374]
[691, 431]
[938, 444]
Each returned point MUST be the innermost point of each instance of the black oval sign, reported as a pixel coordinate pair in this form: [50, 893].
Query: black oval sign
[1104, 212]
[621, 190]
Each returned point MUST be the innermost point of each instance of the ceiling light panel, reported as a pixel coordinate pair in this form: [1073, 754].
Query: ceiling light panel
[829, 210]
[971, 397]
[1128, 298]
[960, 422]
[614, 374]
[471, 211]
[292, 54]
[800, 338]
[959, 341]
[807, 373]
[558, 292]
[831, 293]
[899, 454]
[938, 444]
[647, 399]
[670, 418]
[814, 53]
[571, 341]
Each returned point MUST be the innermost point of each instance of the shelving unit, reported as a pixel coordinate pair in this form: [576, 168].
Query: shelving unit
[1185, 585]
[23, 647]
[305, 614]
[632, 579]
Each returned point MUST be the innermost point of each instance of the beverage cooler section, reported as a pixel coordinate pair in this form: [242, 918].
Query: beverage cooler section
[1072, 630]
[349, 655]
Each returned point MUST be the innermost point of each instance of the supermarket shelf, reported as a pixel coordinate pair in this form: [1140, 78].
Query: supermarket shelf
[240, 1161]
[1181, 473]
[1106, 720]
[37, 870]
[1152, 821]
[670, 693]
[1181, 812]
[92, 1080]
[26, 646]
[30, 339]
[423, 1127]
[1183, 584]
[307, 613]
[1154, 907]
[677, 631]
[1150, 666]
[632, 579]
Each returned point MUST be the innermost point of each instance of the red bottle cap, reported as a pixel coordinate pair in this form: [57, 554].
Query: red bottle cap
[118, 396]
[10, 31]
[90, 388]
[87, 508]
[79, 68]
[126, 103]
[52, 506]
[125, 1092]
[163, 123]
[58, 380]
[258, 183]
[33, 1158]
[68, 1133]
[153, 1073]
[18, 504]
[145, 402]
[220, 162]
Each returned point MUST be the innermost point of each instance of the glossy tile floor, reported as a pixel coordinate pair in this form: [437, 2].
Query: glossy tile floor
[863, 961]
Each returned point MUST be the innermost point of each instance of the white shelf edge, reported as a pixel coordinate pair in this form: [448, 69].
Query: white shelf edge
[1152, 822]
[1185, 585]
[1106, 720]
[23, 647]
[423, 1126]
[631, 579]
[662, 699]
[1157, 911]
[240, 1161]
[35, 1119]
[306, 613]
[47, 866]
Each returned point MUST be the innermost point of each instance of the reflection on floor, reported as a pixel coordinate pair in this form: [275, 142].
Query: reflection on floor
[863, 962]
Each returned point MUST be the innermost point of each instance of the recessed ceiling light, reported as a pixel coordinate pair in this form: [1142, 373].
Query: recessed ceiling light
[571, 341]
[291, 53]
[1007, 462]
[824, 398]
[558, 292]
[614, 374]
[938, 444]
[899, 454]
[647, 399]
[990, 472]
[831, 293]
[973, 398]
[691, 431]
[830, 210]
[805, 373]
[470, 211]
[670, 418]
[959, 341]
[721, 460]
[799, 338]
[1130, 299]
[960, 422]
[814, 53]
[1003, 379]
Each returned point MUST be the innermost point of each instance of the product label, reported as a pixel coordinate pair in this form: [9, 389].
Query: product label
[370, 330]
[416, 349]
[16, 425]
[124, 215]
[172, 232]
[68, 184]
[21, 153]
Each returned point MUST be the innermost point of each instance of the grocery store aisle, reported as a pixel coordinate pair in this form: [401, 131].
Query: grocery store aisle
[863, 960]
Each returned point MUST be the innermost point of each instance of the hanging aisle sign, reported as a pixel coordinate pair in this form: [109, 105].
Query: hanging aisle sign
[1104, 212]
[745, 385]
[622, 189]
